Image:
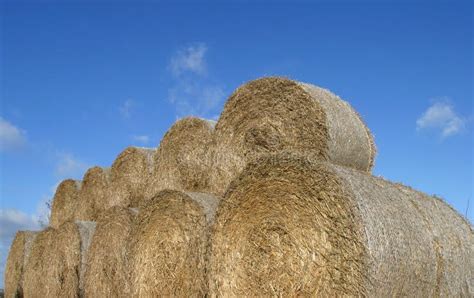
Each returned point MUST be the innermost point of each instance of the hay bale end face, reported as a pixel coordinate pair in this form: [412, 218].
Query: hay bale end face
[93, 194]
[16, 263]
[129, 176]
[182, 162]
[290, 226]
[107, 262]
[65, 201]
[169, 244]
[55, 264]
[276, 114]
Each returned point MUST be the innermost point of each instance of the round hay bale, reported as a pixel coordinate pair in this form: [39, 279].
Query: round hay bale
[290, 226]
[65, 202]
[277, 114]
[55, 266]
[168, 247]
[93, 194]
[129, 176]
[34, 282]
[182, 162]
[107, 273]
[16, 263]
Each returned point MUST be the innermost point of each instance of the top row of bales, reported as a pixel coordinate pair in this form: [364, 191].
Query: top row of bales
[268, 115]
[124, 184]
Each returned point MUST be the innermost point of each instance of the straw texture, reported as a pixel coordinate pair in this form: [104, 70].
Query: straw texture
[93, 196]
[55, 266]
[182, 162]
[275, 114]
[129, 176]
[169, 243]
[65, 202]
[292, 225]
[107, 274]
[16, 263]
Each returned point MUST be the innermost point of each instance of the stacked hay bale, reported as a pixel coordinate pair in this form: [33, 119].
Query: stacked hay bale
[168, 247]
[129, 176]
[292, 226]
[57, 261]
[183, 161]
[300, 216]
[16, 262]
[107, 263]
[93, 194]
[274, 114]
[65, 202]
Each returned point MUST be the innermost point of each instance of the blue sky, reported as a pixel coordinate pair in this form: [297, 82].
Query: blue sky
[80, 82]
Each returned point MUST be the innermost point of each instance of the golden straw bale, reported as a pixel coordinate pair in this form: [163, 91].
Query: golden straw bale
[93, 196]
[16, 263]
[107, 262]
[168, 247]
[276, 114]
[182, 161]
[65, 201]
[129, 176]
[293, 225]
[55, 267]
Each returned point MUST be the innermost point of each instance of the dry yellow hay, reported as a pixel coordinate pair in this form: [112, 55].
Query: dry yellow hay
[55, 266]
[129, 176]
[182, 162]
[168, 247]
[16, 263]
[93, 194]
[292, 225]
[107, 273]
[65, 202]
[275, 114]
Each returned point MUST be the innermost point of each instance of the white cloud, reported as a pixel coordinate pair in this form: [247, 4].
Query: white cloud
[441, 116]
[126, 107]
[190, 59]
[196, 100]
[142, 139]
[192, 93]
[12, 220]
[68, 166]
[11, 137]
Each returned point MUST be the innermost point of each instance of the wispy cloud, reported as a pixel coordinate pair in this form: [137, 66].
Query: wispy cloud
[69, 166]
[193, 91]
[190, 59]
[141, 139]
[125, 109]
[442, 117]
[11, 137]
[190, 98]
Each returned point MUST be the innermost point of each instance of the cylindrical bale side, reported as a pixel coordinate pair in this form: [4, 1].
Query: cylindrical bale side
[55, 266]
[93, 194]
[350, 143]
[290, 225]
[168, 247]
[65, 201]
[182, 161]
[107, 263]
[275, 114]
[16, 263]
[129, 176]
[86, 232]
